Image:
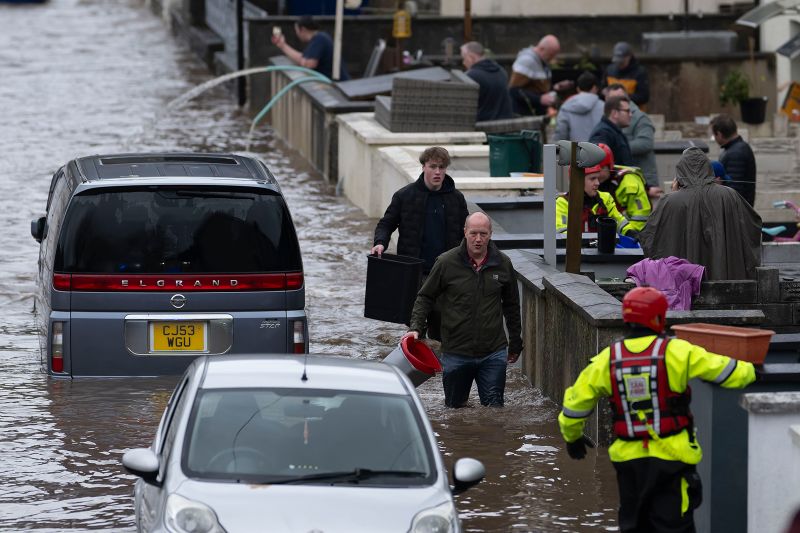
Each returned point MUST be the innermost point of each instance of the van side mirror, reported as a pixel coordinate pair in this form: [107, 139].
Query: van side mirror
[467, 473]
[39, 228]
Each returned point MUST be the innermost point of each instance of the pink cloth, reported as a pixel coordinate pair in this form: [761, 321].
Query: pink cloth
[677, 278]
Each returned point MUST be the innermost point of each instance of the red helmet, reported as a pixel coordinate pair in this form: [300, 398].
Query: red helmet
[645, 306]
[608, 160]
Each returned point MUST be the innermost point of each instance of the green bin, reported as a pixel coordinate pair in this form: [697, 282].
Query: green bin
[515, 152]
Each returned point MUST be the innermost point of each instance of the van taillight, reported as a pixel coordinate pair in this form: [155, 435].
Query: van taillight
[62, 282]
[57, 347]
[299, 337]
[294, 280]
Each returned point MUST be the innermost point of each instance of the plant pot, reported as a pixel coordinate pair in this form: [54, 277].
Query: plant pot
[746, 344]
[754, 110]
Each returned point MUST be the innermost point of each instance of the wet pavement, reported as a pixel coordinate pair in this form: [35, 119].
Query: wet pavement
[92, 76]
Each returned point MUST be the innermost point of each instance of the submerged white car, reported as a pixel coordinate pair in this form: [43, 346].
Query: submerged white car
[296, 444]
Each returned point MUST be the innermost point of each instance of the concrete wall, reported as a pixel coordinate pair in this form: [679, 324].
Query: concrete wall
[366, 179]
[773, 460]
[774, 32]
[567, 319]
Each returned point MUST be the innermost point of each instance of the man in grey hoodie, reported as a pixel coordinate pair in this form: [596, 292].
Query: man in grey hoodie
[580, 113]
[640, 134]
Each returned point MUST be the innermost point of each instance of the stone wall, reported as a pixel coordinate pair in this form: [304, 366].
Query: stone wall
[778, 299]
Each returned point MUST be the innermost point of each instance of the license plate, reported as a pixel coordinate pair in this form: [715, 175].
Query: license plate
[178, 336]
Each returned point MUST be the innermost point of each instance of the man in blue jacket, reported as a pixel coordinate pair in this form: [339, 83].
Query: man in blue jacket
[494, 102]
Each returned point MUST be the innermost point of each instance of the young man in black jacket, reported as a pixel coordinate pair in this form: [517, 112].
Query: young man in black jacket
[429, 213]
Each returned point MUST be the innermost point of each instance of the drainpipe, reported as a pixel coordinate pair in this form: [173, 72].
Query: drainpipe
[337, 40]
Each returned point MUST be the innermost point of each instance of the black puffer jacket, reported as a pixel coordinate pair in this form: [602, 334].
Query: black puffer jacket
[740, 164]
[609, 133]
[407, 212]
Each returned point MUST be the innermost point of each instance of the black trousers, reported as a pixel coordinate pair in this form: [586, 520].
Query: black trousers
[650, 495]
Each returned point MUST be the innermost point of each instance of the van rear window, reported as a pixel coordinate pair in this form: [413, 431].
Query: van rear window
[177, 229]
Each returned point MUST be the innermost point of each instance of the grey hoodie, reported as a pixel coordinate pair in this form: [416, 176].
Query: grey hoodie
[578, 116]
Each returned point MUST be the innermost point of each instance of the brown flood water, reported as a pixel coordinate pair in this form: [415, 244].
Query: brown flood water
[90, 76]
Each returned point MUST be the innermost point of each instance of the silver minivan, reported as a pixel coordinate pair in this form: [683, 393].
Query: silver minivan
[149, 260]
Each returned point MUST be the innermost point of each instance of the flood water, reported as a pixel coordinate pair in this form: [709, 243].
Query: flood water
[90, 76]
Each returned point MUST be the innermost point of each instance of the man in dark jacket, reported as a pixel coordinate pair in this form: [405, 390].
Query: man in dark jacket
[494, 102]
[429, 213]
[476, 287]
[616, 115]
[737, 157]
[626, 70]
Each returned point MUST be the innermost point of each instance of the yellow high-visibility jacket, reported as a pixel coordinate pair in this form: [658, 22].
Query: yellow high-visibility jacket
[683, 362]
[632, 196]
[605, 207]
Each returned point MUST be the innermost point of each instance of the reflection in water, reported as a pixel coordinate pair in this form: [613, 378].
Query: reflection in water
[89, 79]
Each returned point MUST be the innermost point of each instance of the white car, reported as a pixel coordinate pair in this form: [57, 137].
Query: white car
[299, 444]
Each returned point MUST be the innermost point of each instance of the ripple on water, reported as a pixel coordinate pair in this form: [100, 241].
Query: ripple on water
[93, 77]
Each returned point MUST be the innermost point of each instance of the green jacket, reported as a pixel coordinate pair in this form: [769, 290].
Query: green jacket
[473, 304]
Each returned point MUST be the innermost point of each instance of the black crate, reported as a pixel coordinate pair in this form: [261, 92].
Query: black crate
[392, 285]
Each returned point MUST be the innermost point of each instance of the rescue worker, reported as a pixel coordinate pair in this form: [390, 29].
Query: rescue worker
[596, 203]
[629, 188]
[645, 375]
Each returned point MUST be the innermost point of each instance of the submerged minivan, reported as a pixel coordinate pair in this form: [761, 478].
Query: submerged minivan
[149, 260]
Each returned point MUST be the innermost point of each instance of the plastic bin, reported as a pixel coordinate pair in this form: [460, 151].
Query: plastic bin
[392, 285]
[606, 235]
[415, 359]
[746, 344]
[515, 152]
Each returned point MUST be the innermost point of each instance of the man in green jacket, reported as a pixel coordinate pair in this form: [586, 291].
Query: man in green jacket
[476, 287]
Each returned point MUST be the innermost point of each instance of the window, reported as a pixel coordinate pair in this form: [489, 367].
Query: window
[161, 230]
[277, 435]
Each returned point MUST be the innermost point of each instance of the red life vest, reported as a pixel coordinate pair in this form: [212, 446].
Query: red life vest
[640, 384]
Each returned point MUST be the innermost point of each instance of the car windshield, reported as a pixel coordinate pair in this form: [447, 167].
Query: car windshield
[161, 230]
[317, 437]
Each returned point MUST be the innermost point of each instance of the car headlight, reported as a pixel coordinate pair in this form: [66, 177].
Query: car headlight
[187, 516]
[439, 519]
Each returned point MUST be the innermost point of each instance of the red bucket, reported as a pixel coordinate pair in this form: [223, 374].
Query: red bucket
[415, 359]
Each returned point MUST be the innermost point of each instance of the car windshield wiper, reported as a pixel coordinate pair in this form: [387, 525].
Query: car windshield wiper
[351, 476]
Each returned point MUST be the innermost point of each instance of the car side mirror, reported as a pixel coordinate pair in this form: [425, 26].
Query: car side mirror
[39, 228]
[467, 473]
[143, 463]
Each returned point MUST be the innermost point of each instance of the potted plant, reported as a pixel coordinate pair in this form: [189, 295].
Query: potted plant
[735, 89]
